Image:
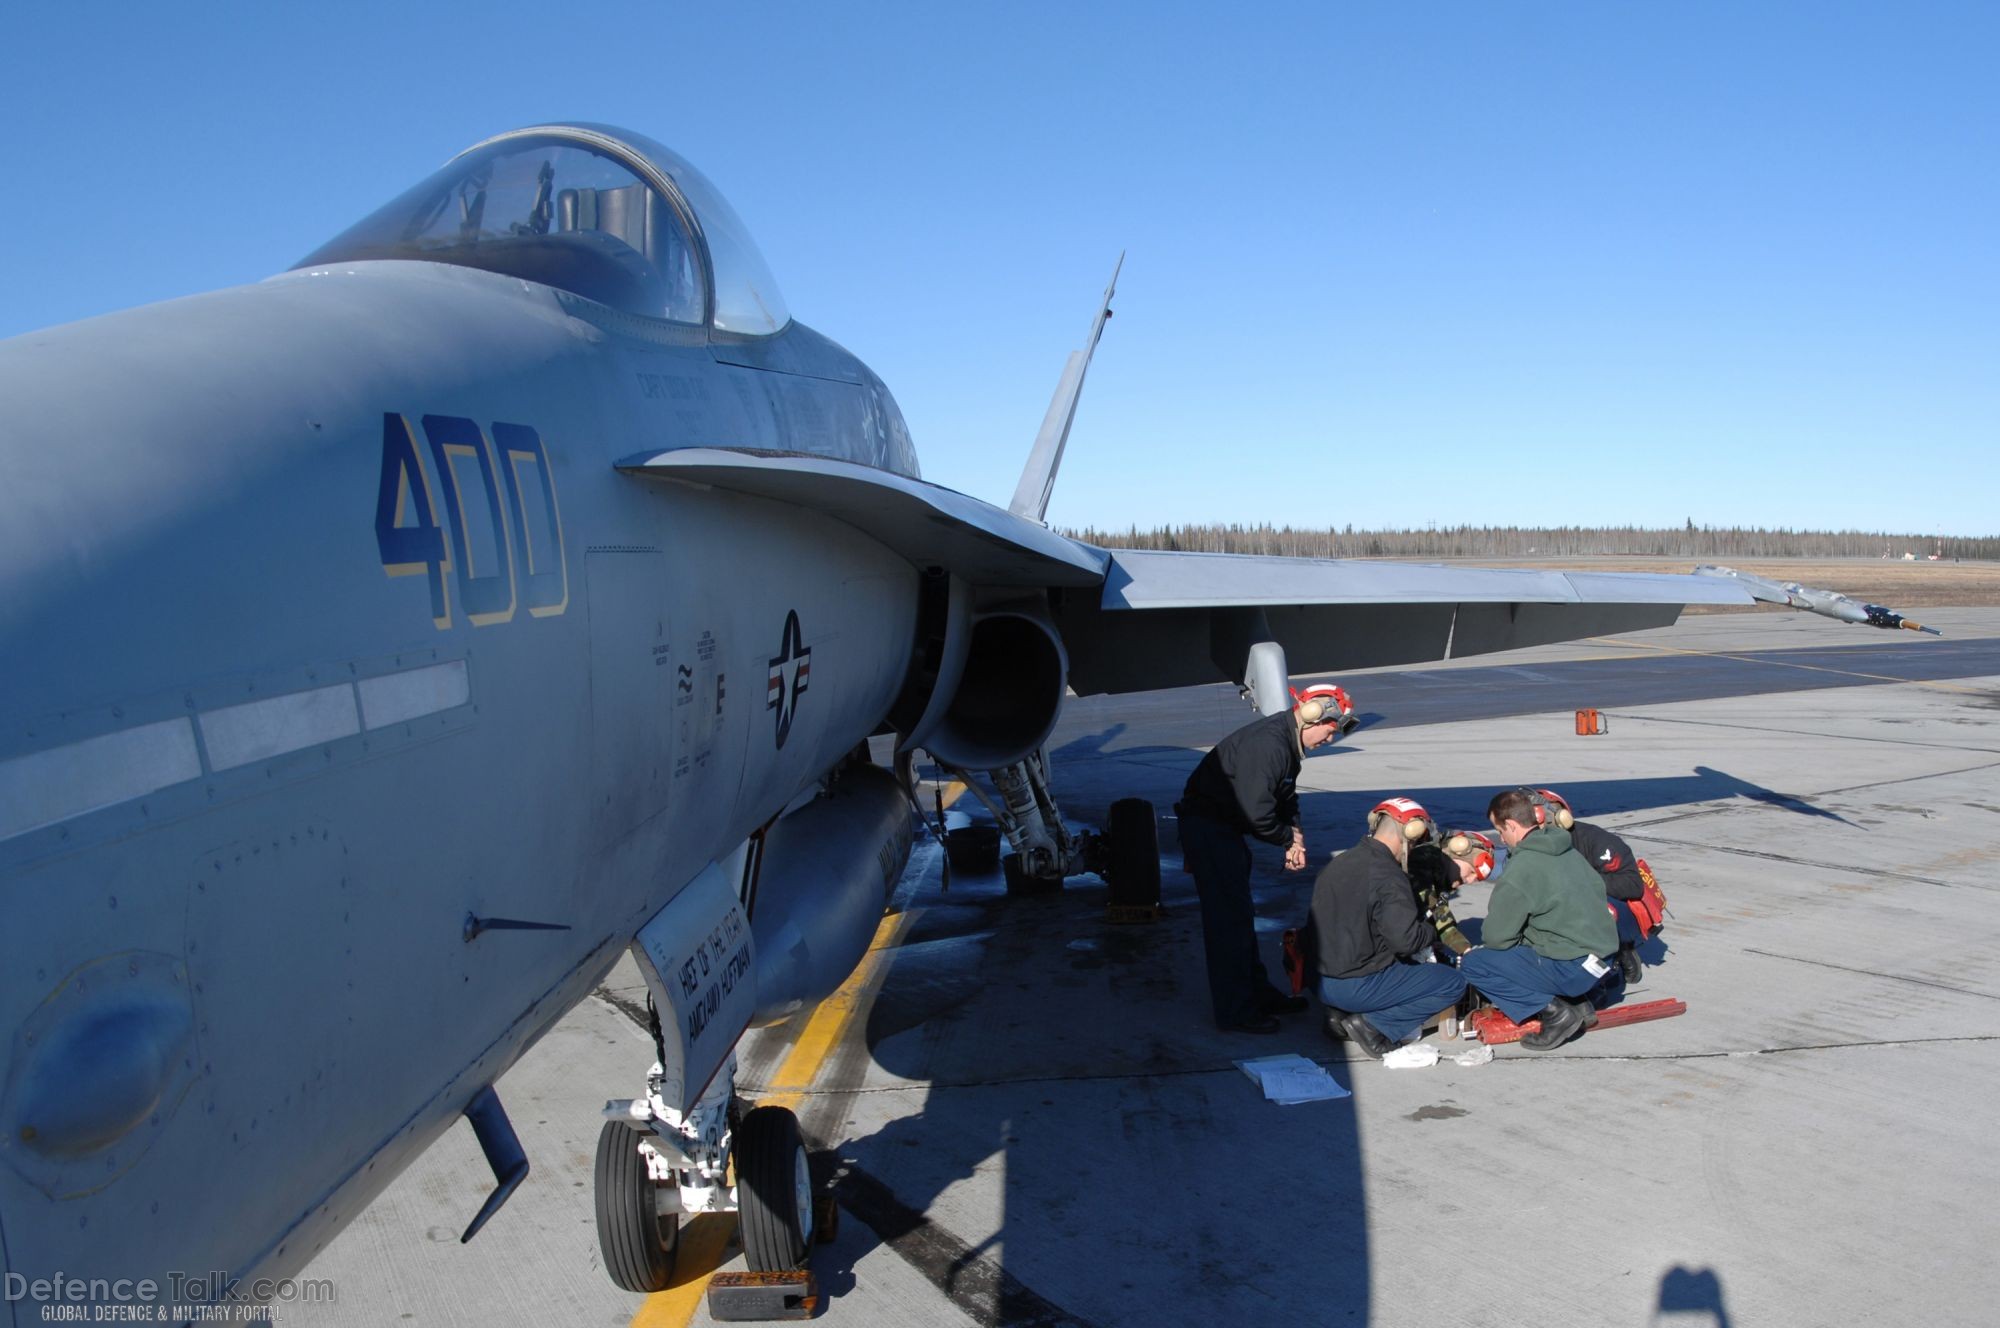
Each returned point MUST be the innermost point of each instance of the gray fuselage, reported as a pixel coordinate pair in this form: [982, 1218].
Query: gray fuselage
[286, 703]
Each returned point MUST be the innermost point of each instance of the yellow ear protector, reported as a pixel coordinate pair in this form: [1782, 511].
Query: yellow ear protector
[1414, 819]
[1549, 805]
[1321, 705]
[1472, 847]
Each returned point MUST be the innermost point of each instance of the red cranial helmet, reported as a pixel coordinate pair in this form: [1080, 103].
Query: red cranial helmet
[1553, 803]
[1473, 848]
[1324, 703]
[1406, 812]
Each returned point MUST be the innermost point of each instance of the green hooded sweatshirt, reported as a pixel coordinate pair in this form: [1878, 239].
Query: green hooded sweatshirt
[1551, 898]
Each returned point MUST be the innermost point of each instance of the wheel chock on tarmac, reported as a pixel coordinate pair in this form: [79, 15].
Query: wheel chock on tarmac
[826, 1219]
[1591, 721]
[758, 1297]
[1494, 1028]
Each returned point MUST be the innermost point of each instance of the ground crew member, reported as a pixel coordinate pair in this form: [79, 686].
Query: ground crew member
[1247, 785]
[1435, 875]
[1613, 860]
[1377, 976]
[1546, 931]
[1472, 852]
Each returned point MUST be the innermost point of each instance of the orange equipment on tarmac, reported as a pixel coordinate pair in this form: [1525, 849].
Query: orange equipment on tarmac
[1494, 1028]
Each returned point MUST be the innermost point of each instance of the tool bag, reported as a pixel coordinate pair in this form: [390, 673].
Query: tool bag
[1297, 943]
[1650, 908]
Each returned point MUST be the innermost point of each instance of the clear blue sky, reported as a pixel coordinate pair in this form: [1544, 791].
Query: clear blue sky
[1390, 264]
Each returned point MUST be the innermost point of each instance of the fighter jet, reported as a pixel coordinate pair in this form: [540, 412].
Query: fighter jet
[394, 643]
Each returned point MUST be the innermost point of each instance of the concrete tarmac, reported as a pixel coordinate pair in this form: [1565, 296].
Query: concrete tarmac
[1029, 1118]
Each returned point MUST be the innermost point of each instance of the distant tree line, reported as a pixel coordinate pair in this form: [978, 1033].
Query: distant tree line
[1689, 541]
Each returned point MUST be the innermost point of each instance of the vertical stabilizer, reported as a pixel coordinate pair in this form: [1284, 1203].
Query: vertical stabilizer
[1038, 478]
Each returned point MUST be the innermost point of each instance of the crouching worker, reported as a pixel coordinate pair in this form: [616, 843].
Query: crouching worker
[1625, 889]
[1546, 931]
[1435, 877]
[1372, 943]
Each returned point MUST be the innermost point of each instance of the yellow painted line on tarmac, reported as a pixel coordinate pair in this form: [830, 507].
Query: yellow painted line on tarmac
[1767, 659]
[834, 1015]
[707, 1238]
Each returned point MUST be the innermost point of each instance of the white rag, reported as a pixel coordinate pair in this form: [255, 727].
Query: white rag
[1413, 1057]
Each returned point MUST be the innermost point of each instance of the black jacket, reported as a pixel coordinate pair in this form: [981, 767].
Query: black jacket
[1249, 781]
[1611, 857]
[1364, 915]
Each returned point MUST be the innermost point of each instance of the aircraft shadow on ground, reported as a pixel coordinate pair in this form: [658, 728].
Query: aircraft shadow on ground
[1134, 1161]
[1091, 1087]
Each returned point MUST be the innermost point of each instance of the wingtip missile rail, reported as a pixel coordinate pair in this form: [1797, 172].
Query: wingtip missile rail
[1827, 603]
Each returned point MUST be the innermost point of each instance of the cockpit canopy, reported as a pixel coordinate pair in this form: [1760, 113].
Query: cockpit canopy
[598, 212]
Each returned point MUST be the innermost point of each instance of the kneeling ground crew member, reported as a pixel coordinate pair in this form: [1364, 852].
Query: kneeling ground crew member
[1247, 785]
[1613, 860]
[1370, 940]
[1546, 929]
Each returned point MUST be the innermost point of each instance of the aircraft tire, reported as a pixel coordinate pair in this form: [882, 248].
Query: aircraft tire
[774, 1191]
[1021, 882]
[1132, 852]
[638, 1244]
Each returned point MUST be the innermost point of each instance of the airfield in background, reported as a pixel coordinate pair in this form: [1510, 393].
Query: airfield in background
[1028, 1119]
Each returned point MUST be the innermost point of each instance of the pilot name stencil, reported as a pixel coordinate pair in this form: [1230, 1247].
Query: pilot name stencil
[708, 962]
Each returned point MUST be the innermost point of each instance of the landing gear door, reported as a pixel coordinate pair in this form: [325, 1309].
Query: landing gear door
[701, 965]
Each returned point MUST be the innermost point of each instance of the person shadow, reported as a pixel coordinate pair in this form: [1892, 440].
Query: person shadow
[1691, 1291]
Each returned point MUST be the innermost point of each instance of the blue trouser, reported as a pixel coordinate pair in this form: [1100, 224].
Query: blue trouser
[1219, 861]
[1522, 982]
[1628, 926]
[1399, 998]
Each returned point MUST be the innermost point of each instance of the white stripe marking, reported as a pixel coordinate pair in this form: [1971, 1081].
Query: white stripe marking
[43, 788]
[258, 730]
[396, 697]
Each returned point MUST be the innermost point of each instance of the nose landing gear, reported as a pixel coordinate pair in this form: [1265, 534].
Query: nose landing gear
[655, 1164]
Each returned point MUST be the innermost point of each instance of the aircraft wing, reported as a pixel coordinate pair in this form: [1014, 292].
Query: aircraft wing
[927, 523]
[1132, 620]
[1173, 619]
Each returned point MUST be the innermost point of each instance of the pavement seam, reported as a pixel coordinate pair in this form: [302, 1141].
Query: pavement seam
[1790, 861]
[1498, 1060]
[1633, 718]
[1764, 658]
[971, 1278]
[1749, 1052]
[1869, 972]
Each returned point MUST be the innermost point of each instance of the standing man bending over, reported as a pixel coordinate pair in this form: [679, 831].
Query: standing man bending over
[1247, 785]
[1547, 930]
[1371, 941]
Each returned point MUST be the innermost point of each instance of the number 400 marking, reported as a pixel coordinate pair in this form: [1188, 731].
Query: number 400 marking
[504, 554]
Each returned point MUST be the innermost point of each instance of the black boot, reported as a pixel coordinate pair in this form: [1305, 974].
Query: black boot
[1253, 1023]
[1628, 963]
[1274, 1001]
[1561, 1021]
[1366, 1036]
